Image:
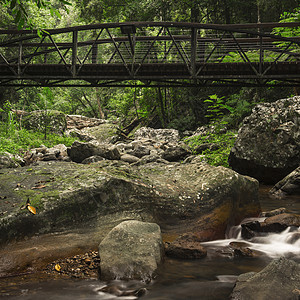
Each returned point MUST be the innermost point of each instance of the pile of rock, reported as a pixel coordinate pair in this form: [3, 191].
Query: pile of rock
[56, 153]
[79, 122]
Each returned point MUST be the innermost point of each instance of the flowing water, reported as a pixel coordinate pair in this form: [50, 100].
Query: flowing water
[210, 278]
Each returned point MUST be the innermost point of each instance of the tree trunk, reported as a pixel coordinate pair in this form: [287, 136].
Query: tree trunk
[101, 113]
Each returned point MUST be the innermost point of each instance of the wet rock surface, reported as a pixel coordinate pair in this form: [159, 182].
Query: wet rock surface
[268, 143]
[186, 246]
[289, 185]
[276, 223]
[279, 280]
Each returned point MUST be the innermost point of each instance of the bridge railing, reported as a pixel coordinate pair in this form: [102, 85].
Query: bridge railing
[134, 46]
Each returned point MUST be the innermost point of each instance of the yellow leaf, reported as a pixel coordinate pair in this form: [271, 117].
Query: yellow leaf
[31, 209]
[57, 267]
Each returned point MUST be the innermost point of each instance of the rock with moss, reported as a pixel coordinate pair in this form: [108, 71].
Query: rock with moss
[8, 160]
[178, 197]
[45, 121]
[268, 143]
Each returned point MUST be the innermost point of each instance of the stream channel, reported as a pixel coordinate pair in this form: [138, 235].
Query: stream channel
[210, 278]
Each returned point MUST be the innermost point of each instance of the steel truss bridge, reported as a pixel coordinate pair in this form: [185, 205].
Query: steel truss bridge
[151, 54]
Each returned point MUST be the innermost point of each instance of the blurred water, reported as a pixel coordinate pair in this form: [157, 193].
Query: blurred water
[211, 278]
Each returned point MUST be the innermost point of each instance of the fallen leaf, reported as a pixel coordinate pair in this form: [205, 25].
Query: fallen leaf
[31, 209]
[38, 187]
[57, 267]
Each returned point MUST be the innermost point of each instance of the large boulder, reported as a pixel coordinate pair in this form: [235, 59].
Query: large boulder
[289, 185]
[268, 143]
[279, 280]
[45, 121]
[180, 198]
[131, 250]
[79, 151]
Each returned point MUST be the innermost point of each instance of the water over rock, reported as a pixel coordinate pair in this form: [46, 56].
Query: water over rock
[131, 250]
[276, 223]
[279, 280]
[268, 143]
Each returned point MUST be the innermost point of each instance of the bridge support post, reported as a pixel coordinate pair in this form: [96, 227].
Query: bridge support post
[74, 52]
[261, 55]
[20, 57]
[193, 51]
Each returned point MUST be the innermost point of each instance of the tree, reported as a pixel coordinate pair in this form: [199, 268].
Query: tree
[22, 17]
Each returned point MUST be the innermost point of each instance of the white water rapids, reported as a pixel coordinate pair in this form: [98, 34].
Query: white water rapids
[285, 243]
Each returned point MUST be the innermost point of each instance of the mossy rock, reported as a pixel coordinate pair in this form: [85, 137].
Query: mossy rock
[195, 198]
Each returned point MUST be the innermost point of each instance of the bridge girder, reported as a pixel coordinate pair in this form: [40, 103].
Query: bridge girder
[151, 54]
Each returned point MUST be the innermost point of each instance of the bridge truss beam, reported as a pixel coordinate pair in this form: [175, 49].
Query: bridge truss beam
[151, 54]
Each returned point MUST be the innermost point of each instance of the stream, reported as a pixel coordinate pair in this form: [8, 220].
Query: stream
[210, 278]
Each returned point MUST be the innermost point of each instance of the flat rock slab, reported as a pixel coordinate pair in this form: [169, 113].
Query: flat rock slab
[184, 198]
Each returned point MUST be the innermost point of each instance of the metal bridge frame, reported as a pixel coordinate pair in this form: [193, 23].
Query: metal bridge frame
[150, 54]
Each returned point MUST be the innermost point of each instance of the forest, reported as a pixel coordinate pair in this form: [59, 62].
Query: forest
[183, 108]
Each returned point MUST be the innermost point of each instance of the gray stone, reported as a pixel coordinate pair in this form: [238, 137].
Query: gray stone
[289, 185]
[279, 280]
[131, 250]
[92, 159]
[139, 151]
[176, 153]
[7, 161]
[129, 158]
[268, 143]
[161, 135]
[196, 198]
[79, 134]
[80, 151]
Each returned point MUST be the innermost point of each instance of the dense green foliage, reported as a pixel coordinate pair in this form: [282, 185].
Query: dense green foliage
[180, 108]
[17, 140]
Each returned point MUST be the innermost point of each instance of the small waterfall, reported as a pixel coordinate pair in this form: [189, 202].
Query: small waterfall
[286, 243]
[278, 244]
